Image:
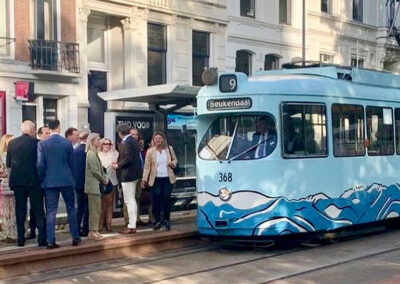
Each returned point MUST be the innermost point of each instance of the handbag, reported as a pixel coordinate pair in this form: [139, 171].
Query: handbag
[177, 169]
[106, 188]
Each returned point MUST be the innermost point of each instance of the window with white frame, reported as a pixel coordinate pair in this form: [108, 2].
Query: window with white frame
[243, 62]
[4, 28]
[96, 43]
[326, 58]
[247, 8]
[200, 55]
[358, 10]
[325, 6]
[284, 12]
[156, 54]
[359, 63]
[271, 62]
[43, 16]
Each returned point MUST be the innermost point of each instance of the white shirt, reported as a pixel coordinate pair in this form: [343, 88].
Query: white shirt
[107, 160]
[162, 164]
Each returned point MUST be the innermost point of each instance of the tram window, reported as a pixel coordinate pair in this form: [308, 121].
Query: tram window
[239, 138]
[304, 130]
[380, 131]
[397, 125]
[348, 130]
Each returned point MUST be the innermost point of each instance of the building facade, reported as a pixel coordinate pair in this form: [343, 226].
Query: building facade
[264, 34]
[39, 62]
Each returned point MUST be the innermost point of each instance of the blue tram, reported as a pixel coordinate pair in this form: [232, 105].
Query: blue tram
[297, 151]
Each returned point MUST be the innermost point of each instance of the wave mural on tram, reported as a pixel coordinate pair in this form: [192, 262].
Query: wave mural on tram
[254, 214]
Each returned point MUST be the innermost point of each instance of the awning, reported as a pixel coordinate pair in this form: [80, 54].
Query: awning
[166, 94]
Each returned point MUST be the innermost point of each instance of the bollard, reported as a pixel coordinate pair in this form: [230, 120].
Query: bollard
[9, 224]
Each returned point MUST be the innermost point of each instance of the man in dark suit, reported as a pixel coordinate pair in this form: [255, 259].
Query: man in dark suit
[55, 164]
[265, 138]
[79, 174]
[24, 181]
[129, 168]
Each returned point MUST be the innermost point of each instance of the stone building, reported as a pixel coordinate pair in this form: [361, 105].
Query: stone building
[38, 45]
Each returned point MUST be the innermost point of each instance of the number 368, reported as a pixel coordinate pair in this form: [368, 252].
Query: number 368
[225, 177]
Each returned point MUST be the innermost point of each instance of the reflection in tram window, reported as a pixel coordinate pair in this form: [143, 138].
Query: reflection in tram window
[348, 130]
[380, 131]
[239, 138]
[397, 125]
[304, 130]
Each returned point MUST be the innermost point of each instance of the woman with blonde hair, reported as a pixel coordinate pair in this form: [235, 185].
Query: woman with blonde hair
[159, 175]
[4, 141]
[93, 177]
[108, 156]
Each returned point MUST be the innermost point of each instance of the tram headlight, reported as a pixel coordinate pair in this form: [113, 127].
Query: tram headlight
[225, 194]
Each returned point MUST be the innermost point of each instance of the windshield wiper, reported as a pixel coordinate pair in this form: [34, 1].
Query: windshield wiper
[249, 149]
[209, 147]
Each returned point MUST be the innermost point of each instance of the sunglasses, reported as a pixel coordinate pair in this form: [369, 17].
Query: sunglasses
[107, 144]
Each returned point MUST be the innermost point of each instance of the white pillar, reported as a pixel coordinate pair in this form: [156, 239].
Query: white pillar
[129, 25]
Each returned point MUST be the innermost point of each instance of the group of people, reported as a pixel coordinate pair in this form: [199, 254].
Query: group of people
[88, 169]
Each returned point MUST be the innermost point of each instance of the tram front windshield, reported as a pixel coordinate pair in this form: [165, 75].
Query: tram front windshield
[239, 138]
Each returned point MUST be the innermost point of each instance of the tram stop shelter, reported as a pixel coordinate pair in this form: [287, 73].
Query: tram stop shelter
[163, 101]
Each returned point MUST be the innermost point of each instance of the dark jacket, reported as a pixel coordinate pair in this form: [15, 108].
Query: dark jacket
[129, 166]
[21, 158]
[80, 167]
[55, 162]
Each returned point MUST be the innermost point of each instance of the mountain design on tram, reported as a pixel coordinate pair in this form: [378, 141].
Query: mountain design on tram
[259, 215]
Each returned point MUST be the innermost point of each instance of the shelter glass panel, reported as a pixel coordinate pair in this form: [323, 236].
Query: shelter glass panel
[348, 130]
[201, 55]
[304, 130]
[239, 138]
[380, 131]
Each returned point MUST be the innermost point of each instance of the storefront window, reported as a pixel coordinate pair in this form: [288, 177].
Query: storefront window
[181, 136]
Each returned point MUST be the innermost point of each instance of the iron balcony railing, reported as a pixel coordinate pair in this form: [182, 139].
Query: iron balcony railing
[54, 55]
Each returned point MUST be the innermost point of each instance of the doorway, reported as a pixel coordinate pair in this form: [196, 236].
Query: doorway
[97, 83]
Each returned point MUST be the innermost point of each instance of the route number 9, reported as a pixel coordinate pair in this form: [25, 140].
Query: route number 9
[225, 177]
[228, 83]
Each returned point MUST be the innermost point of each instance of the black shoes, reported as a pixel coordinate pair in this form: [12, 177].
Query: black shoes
[31, 236]
[42, 244]
[167, 225]
[157, 226]
[21, 244]
[83, 233]
[75, 242]
[52, 246]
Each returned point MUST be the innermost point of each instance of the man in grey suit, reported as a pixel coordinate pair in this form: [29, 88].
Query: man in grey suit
[55, 163]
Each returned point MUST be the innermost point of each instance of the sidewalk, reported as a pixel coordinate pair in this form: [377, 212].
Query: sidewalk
[30, 258]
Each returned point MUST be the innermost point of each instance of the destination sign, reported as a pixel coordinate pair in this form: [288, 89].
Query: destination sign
[229, 104]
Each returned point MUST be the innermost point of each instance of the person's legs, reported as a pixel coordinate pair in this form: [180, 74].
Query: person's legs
[166, 198]
[32, 223]
[52, 196]
[128, 188]
[85, 221]
[102, 218]
[68, 195]
[94, 214]
[109, 204]
[80, 206]
[156, 200]
[138, 197]
[36, 201]
[21, 198]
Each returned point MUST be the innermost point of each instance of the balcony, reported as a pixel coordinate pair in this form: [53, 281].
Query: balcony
[54, 57]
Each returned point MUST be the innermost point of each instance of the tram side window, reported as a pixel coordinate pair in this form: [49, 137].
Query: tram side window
[380, 131]
[304, 130]
[397, 125]
[348, 130]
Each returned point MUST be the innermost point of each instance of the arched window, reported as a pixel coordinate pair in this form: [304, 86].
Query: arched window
[243, 62]
[271, 62]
